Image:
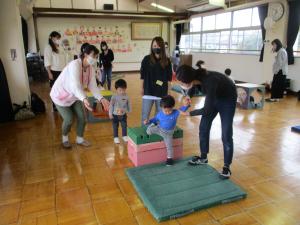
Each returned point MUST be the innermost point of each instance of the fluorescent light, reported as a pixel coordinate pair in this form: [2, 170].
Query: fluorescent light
[220, 3]
[162, 7]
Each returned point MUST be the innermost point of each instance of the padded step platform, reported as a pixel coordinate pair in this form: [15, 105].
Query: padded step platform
[139, 136]
[154, 152]
[170, 192]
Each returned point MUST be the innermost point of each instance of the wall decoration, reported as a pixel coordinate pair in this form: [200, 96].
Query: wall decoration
[117, 33]
[145, 31]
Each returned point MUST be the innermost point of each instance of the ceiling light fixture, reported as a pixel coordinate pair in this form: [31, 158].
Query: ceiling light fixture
[220, 3]
[162, 7]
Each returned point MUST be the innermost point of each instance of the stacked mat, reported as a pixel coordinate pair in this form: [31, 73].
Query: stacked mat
[147, 149]
[178, 190]
[97, 116]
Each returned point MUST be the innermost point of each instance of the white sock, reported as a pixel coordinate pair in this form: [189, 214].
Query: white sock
[65, 139]
[79, 139]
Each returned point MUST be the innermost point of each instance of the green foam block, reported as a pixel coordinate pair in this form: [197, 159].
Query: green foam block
[139, 136]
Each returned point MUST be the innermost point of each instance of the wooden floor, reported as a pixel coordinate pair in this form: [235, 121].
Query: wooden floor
[40, 183]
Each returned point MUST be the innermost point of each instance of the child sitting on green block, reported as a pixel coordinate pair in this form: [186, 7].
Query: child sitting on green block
[164, 123]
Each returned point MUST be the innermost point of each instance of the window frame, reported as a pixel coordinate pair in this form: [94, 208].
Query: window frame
[297, 52]
[230, 30]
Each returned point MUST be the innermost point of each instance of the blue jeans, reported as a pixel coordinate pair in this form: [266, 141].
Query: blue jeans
[106, 75]
[226, 108]
[119, 119]
[147, 106]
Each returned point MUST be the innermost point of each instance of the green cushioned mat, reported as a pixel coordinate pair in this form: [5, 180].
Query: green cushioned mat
[174, 191]
[139, 136]
[178, 89]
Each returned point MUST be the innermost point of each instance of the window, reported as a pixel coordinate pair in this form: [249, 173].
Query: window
[224, 41]
[184, 42]
[211, 41]
[209, 22]
[246, 40]
[297, 45]
[195, 25]
[196, 41]
[255, 17]
[242, 18]
[237, 31]
[223, 20]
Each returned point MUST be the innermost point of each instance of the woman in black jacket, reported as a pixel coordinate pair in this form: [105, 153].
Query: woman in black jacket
[156, 73]
[106, 59]
[220, 98]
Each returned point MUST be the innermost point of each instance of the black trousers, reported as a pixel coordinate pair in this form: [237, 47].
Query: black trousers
[278, 85]
[51, 82]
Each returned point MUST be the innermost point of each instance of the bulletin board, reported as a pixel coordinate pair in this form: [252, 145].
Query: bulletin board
[145, 31]
[117, 34]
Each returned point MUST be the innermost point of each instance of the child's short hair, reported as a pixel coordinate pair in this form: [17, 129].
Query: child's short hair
[167, 102]
[228, 72]
[120, 84]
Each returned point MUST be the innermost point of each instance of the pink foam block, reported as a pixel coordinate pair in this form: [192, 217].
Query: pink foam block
[152, 152]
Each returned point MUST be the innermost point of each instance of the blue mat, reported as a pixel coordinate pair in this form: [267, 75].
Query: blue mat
[178, 190]
[296, 129]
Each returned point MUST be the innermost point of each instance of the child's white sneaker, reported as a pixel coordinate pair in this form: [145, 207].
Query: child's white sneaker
[116, 140]
[125, 138]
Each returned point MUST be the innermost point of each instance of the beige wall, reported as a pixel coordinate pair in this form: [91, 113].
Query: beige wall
[11, 38]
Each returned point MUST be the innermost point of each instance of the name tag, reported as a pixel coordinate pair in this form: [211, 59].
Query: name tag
[159, 82]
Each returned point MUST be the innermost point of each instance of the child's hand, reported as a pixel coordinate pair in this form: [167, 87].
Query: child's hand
[120, 111]
[146, 122]
[187, 101]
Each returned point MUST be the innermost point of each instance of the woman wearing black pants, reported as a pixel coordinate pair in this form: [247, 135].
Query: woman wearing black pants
[220, 99]
[54, 58]
[280, 70]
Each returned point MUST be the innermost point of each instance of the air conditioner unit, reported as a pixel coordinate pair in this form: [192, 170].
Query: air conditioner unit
[205, 5]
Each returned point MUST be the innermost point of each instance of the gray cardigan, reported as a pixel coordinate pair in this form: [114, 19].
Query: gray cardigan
[281, 62]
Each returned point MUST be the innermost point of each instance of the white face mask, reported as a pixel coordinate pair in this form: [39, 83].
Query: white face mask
[57, 41]
[91, 60]
[185, 87]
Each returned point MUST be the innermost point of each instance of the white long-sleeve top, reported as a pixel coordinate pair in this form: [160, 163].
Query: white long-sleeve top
[69, 86]
[281, 62]
[56, 61]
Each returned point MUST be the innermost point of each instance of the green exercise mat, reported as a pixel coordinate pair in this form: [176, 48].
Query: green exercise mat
[174, 191]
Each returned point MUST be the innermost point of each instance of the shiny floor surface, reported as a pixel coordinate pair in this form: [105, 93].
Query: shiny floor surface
[40, 183]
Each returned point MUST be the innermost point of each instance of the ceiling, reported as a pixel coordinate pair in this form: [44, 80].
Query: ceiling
[183, 5]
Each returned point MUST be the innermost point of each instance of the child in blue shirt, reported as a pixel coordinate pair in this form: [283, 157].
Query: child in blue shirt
[164, 123]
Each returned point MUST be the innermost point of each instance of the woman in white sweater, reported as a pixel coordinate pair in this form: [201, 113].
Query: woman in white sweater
[68, 93]
[280, 71]
[54, 58]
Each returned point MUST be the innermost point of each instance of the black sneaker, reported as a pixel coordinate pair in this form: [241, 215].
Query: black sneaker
[226, 173]
[169, 162]
[196, 160]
